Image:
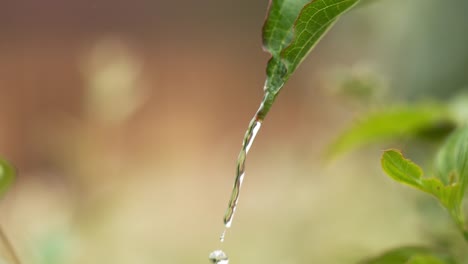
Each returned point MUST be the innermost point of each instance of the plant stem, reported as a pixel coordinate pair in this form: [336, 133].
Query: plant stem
[9, 247]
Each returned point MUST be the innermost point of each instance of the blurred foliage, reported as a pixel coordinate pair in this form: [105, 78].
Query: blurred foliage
[432, 55]
[430, 122]
[417, 120]
[449, 192]
[77, 160]
[360, 84]
[411, 255]
[114, 89]
[7, 175]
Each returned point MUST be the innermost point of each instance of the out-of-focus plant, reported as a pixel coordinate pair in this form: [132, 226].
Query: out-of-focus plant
[7, 175]
[430, 122]
[411, 255]
[292, 29]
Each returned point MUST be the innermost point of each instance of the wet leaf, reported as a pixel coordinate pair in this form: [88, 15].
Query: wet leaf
[290, 32]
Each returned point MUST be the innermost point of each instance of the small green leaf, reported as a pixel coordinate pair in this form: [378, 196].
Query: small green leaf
[7, 175]
[290, 32]
[401, 169]
[411, 255]
[387, 124]
[405, 171]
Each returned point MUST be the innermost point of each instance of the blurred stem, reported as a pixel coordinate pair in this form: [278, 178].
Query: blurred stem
[9, 247]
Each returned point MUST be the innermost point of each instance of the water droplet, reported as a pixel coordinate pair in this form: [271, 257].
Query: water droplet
[221, 238]
[219, 257]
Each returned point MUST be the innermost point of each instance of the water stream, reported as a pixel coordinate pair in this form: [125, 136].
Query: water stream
[218, 256]
[240, 172]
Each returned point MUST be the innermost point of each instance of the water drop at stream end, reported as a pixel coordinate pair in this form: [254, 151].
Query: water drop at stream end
[219, 257]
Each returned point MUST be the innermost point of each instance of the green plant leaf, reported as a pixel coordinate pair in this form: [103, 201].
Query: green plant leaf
[452, 168]
[278, 27]
[452, 158]
[425, 259]
[411, 255]
[291, 30]
[312, 23]
[7, 175]
[401, 169]
[450, 183]
[421, 120]
[405, 171]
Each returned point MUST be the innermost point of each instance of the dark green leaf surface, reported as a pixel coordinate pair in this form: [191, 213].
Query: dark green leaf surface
[314, 20]
[291, 30]
[278, 28]
[7, 174]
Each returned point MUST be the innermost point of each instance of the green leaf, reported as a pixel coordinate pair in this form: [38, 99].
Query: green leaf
[452, 158]
[401, 169]
[411, 255]
[313, 21]
[291, 30]
[452, 168]
[278, 27]
[405, 171]
[7, 175]
[450, 183]
[391, 123]
[425, 259]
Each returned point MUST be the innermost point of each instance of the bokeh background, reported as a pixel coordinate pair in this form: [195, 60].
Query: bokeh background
[124, 120]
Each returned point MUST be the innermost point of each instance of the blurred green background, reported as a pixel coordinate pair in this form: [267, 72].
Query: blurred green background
[124, 120]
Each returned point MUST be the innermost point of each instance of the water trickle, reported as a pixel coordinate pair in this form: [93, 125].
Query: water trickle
[219, 257]
[249, 137]
[221, 238]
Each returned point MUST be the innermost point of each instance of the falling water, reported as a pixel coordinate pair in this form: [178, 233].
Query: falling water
[218, 256]
[240, 172]
[249, 138]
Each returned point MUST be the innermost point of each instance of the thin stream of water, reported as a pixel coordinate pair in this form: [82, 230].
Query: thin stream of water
[252, 131]
[218, 256]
